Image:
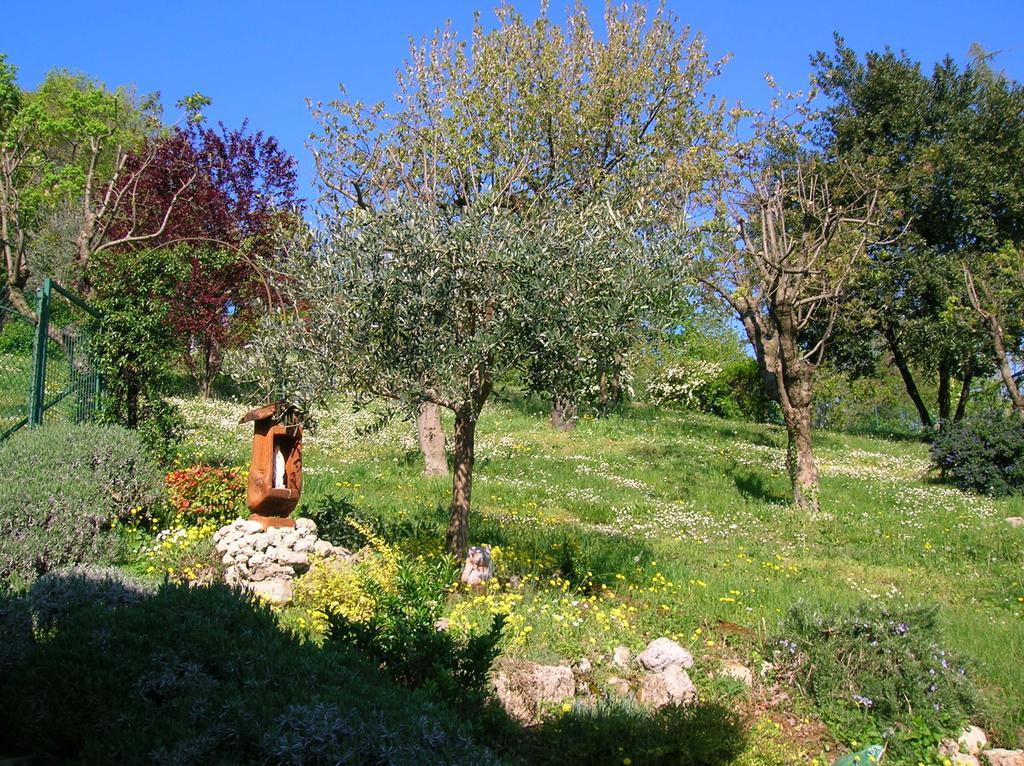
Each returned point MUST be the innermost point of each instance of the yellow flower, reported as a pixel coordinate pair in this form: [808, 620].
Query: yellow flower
[566, 707]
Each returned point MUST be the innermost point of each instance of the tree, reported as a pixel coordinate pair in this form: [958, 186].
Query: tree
[793, 228]
[950, 145]
[244, 187]
[531, 160]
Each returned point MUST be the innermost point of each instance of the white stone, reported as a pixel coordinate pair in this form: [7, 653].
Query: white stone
[305, 526]
[1015, 521]
[257, 560]
[584, 666]
[304, 544]
[972, 740]
[738, 671]
[323, 548]
[661, 653]
[248, 525]
[671, 686]
[228, 560]
[621, 657]
[277, 591]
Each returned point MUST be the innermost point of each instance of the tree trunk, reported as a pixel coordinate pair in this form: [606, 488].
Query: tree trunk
[965, 394]
[432, 442]
[908, 378]
[803, 468]
[457, 539]
[944, 401]
[1004, 367]
[563, 413]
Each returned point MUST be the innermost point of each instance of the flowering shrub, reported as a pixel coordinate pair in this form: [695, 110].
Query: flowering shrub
[683, 383]
[870, 670]
[202, 495]
[333, 588]
[729, 390]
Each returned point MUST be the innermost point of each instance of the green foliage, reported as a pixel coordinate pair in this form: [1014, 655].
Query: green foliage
[982, 454]
[204, 675]
[873, 671]
[401, 635]
[332, 516]
[135, 344]
[17, 337]
[67, 486]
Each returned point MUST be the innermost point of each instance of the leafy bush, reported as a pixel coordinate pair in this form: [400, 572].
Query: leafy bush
[202, 495]
[872, 670]
[332, 515]
[17, 338]
[982, 454]
[206, 675]
[66, 487]
[161, 427]
[401, 635]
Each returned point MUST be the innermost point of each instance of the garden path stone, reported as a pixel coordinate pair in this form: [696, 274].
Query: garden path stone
[663, 652]
[621, 657]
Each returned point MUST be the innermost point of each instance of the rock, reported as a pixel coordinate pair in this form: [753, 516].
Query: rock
[584, 666]
[1015, 521]
[303, 544]
[247, 525]
[738, 671]
[294, 559]
[342, 553]
[305, 526]
[621, 657]
[277, 591]
[524, 688]
[257, 560]
[1000, 757]
[972, 740]
[233, 548]
[323, 548]
[619, 686]
[478, 567]
[661, 653]
[671, 686]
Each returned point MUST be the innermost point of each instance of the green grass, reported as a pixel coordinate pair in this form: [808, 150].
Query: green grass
[665, 523]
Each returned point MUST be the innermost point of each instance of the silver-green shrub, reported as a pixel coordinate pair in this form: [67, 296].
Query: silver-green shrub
[63, 488]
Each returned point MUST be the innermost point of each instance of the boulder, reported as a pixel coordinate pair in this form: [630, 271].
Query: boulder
[1000, 757]
[277, 591]
[621, 657]
[972, 740]
[619, 686]
[525, 688]
[671, 686]
[663, 652]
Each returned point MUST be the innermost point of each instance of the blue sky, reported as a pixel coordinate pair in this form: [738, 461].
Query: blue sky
[261, 60]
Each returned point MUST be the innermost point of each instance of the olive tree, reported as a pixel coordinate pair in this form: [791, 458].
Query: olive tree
[504, 214]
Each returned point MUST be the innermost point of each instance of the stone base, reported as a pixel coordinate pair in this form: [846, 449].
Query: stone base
[267, 560]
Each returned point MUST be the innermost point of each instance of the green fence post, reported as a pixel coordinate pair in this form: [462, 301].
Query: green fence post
[37, 396]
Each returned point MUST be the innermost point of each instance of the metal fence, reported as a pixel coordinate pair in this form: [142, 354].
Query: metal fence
[47, 370]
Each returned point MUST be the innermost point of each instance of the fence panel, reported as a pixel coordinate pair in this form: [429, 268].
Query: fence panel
[56, 377]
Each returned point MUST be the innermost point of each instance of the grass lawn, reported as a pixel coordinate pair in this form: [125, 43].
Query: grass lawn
[657, 522]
